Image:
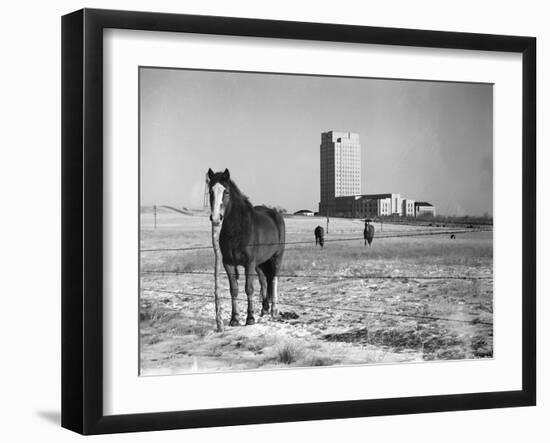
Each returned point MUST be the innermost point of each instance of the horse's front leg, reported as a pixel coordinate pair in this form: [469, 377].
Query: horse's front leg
[249, 288]
[234, 289]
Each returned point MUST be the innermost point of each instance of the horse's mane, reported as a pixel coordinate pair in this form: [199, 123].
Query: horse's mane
[238, 198]
[237, 225]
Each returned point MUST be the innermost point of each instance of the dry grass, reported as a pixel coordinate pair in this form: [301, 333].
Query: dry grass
[289, 353]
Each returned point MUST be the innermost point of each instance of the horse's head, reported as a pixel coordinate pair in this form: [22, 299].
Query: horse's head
[218, 185]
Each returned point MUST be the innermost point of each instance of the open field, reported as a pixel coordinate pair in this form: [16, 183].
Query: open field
[344, 304]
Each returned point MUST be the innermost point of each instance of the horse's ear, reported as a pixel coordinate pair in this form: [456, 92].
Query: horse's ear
[226, 174]
[210, 173]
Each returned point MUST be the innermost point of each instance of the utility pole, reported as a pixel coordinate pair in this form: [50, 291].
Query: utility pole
[155, 215]
[327, 221]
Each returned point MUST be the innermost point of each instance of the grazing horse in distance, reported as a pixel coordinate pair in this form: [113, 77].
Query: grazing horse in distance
[319, 236]
[368, 234]
[250, 236]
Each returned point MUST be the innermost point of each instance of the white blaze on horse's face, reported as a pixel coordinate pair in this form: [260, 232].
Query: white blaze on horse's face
[217, 207]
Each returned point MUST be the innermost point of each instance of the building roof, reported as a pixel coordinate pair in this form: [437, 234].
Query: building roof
[423, 204]
[336, 136]
[302, 211]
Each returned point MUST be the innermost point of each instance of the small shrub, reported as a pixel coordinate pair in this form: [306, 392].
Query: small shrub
[288, 353]
[155, 314]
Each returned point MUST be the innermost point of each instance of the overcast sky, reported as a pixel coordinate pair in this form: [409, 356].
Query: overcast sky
[430, 141]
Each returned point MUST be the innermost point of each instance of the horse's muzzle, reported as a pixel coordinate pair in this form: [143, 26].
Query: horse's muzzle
[216, 222]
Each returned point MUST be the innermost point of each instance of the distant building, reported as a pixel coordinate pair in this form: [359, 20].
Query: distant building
[305, 212]
[423, 209]
[340, 167]
[408, 209]
[379, 205]
[341, 183]
[370, 205]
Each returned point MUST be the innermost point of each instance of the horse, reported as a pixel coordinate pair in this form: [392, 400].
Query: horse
[368, 234]
[319, 236]
[250, 236]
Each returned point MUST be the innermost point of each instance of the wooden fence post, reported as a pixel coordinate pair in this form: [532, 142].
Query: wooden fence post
[217, 261]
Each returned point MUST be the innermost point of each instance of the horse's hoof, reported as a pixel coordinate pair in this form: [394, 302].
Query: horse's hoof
[250, 321]
[234, 322]
[265, 311]
[274, 313]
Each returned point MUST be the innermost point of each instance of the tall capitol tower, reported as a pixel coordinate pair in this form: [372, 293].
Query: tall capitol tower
[340, 167]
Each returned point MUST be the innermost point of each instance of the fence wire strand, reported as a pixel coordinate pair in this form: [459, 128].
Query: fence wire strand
[399, 234]
[302, 305]
[396, 234]
[335, 276]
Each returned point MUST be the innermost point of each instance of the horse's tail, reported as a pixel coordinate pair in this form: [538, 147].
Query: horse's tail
[280, 223]
[278, 256]
[278, 218]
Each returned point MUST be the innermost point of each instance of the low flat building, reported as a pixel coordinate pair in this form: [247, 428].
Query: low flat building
[377, 205]
[305, 212]
[422, 209]
[365, 205]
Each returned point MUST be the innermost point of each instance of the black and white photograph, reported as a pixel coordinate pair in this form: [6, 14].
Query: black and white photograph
[275, 220]
[297, 221]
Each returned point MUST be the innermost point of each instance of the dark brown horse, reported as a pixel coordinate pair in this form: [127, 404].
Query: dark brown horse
[368, 233]
[319, 236]
[252, 237]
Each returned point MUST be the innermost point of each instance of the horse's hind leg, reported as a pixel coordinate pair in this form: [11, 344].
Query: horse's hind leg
[276, 264]
[234, 289]
[271, 296]
[249, 288]
[263, 290]
[275, 296]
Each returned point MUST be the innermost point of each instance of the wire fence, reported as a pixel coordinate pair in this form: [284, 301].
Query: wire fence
[178, 294]
[398, 234]
[435, 222]
[395, 234]
[336, 276]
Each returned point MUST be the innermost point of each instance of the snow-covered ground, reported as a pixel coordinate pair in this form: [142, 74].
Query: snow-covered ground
[338, 305]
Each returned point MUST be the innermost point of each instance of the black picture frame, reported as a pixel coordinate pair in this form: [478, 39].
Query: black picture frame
[82, 220]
